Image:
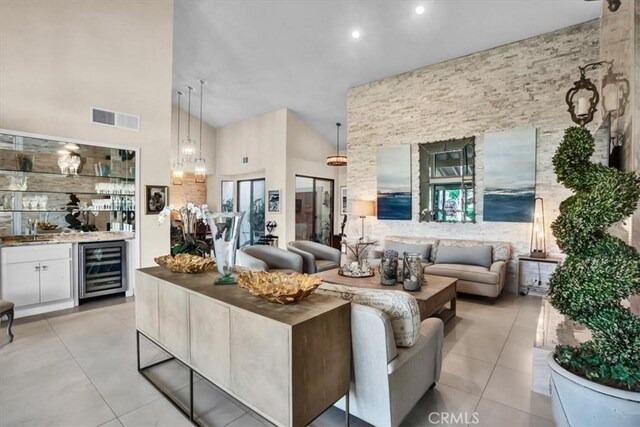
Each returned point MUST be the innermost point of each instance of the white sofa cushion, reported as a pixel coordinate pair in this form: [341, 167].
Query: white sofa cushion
[401, 308]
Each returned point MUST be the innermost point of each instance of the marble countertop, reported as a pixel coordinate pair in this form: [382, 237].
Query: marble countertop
[57, 238]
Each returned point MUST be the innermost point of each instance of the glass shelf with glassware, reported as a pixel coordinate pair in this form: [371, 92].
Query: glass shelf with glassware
[65, 185]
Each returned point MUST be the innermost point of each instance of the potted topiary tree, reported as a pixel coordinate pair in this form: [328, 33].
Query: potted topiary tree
[598, 382]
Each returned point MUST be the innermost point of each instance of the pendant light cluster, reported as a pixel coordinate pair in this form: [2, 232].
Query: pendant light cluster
[187, 148]
[337, 160]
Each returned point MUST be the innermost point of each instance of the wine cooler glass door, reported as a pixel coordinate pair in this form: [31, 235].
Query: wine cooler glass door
[103, 269]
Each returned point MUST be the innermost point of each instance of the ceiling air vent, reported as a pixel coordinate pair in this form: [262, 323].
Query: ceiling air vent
[112, 118]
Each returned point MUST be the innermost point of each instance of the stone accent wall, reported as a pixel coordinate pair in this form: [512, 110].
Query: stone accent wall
[189, 191]
[515, 86]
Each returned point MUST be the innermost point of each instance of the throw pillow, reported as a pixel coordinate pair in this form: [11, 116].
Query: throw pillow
[473, 255]
[421, 248]
[401, 308]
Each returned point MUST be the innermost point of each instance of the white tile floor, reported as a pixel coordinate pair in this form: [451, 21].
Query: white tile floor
[78, 368]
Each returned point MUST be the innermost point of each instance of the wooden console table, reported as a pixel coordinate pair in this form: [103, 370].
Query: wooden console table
[289, 363]
[436, 291]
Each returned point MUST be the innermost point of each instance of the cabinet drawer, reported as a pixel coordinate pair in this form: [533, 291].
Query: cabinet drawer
[34, 253]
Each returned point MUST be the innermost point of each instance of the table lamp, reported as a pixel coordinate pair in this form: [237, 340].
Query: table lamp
[362, 208]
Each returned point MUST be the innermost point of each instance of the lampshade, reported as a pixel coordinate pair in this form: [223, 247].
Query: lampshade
[362, 208]
[538, 246]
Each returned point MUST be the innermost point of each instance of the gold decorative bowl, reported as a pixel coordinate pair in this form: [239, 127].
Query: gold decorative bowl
[185, 263]
[281, 288]
[46, 226]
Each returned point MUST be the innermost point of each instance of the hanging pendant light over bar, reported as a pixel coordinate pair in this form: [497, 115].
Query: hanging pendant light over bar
[177, 172]
[188, 145]
[201, 169]
[337, 160]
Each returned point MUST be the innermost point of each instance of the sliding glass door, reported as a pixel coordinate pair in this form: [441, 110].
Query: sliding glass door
[251, 195]
[314, 209]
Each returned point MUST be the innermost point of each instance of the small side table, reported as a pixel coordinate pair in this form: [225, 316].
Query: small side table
[268, 240]
[524, 258]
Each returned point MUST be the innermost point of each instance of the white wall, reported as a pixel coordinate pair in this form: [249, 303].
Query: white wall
[279, 146]
[307, 152]
[58, 59]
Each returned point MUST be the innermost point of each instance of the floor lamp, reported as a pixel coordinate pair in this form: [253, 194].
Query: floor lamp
[362, 208]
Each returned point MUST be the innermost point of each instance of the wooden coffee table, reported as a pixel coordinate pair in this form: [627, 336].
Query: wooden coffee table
[436, 291]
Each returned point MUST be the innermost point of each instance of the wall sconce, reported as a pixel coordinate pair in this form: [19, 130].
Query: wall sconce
[583, 96]
[615, 93]
[538, 245]
[362, 208]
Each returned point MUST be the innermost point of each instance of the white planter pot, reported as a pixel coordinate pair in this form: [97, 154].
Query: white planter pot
[578, 402]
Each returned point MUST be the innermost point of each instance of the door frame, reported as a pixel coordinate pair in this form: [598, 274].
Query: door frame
[331, 202]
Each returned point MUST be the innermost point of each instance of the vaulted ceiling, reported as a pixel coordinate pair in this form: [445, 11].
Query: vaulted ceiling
[260, 56]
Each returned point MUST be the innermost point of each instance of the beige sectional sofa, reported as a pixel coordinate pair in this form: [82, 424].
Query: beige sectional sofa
[480, 266]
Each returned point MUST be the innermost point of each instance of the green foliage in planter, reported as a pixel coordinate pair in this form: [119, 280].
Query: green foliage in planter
[600, 270]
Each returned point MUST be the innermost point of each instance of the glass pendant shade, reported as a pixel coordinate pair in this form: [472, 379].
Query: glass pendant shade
[200, 171]
[538, 244]
[188, 149]
[177, 173]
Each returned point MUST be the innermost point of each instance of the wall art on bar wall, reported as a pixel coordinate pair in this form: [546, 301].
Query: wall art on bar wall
[509, 175]
[157, 198]
[394, 182]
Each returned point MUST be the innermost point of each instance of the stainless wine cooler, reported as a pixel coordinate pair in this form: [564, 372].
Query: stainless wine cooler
[103, 268]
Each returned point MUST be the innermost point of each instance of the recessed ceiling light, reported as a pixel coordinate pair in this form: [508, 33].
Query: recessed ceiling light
[72, 147]
[64, 152]
[420, 10]
[355, 34]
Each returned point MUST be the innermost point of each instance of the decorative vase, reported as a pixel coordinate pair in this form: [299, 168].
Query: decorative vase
[225, 227]
[412, 271]
[576, 401]
[24, 162]
[389, 268]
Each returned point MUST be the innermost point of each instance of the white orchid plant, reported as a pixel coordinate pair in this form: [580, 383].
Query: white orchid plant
[189, 214]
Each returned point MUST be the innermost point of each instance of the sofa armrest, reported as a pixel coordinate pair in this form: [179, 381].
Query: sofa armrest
[243, 259]
[431, 335]
[499, 267]
[308, 260]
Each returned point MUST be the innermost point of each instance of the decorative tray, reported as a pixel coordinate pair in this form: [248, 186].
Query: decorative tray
[185, 263]
[280, 288]
[356, 274]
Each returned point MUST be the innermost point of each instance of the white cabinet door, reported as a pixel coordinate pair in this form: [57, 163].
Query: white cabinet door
[21, 283]
[55, 280]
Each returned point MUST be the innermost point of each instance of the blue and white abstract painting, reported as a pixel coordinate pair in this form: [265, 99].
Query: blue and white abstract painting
[394, 182]
[509, 175]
